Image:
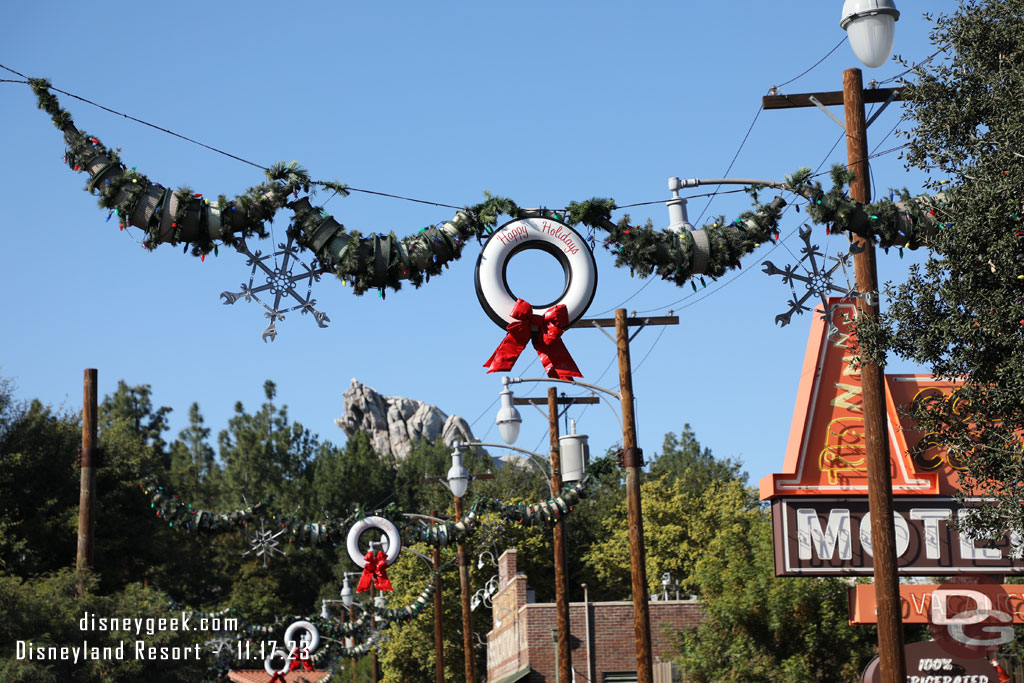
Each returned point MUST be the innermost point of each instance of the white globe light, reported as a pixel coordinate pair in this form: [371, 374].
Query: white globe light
[508, 419]
[346, 593]
[870, 25]
[458, 476]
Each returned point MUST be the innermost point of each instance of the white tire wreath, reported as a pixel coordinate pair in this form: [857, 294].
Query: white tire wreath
[557, 239]
[268, 663]
[364, 525]
[314, 636]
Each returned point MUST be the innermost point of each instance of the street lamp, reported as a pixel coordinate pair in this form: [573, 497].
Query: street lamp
[534, 458]
[870, 25]
[508, 419]
[348, 600]
[458, 475]
[457, 482]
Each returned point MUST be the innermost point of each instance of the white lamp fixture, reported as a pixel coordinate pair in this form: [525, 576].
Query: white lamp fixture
[324, 614]
[575, 452]
[870, 25]
[346, 592]
[677, 219]
[508, 419]
[458, 476]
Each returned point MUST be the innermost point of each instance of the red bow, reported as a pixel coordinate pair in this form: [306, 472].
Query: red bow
[278, 677]
[375, 572]
[302, 660]
[555, 358]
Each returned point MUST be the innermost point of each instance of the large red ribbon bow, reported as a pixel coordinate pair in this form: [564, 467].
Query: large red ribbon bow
[375, 571]
[545, 331]
[301, 660]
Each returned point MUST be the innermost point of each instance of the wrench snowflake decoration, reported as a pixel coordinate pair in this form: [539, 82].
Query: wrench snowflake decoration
[281, 281]
[817, 281]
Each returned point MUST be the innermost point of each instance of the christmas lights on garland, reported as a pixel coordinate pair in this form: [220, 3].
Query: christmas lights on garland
[375, 261]
[188, 517]
[380, 261]
[191, 518]
[906, 224]
[537, 514]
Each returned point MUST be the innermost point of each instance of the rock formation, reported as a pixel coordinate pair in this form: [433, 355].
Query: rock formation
[393, 423]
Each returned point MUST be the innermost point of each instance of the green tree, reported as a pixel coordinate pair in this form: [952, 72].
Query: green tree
[265, 455]
[343, 477]
[759, 627]
[46, 611]
[962, 313]
[193, 468]
[134, 405]
[38, 475]
[670, 496]
[683, 454]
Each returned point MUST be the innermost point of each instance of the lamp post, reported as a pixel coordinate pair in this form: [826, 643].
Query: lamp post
[574, 446]
[870, 27]
[348, 599]
[632, 463]
[435, 561]
[457, 481]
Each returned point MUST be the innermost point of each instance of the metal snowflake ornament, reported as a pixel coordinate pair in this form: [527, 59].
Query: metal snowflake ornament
[264, 543]
[223, 651]
[818, 282]
[280, 283]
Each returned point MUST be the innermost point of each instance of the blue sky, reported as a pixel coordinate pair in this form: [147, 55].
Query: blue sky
[545, 103]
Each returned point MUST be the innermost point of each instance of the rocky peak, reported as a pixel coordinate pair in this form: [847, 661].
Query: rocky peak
[394, 422]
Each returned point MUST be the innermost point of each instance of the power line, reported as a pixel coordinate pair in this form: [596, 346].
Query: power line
[734, 157]
[813, 66]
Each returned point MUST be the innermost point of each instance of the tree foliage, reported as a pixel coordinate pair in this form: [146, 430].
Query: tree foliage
[759, 627]
[144, 565]
[962, 313]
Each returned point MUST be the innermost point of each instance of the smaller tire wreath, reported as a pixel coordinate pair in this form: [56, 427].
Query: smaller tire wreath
[565, 244]
[314, 635]
[268, 663]
[364, 525]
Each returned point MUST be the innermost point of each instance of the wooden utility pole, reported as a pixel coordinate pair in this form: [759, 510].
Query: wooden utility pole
[632, 462]
[87, 490]
[352, 618]
[558, 533]
[462, 560]
[438, 613]
[891, 659]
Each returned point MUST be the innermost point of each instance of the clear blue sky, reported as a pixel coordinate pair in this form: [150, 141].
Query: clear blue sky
[542, 102]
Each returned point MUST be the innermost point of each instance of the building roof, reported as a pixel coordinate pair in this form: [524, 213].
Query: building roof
[261, 676]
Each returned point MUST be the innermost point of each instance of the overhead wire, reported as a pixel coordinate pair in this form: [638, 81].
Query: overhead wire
[711, 196]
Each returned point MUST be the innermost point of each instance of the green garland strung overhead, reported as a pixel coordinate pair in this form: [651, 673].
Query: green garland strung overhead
[380, 261]
[537, 514]
[907, 224]
[171, 509]
[383, 615]
[192, 518]
[189, 518]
